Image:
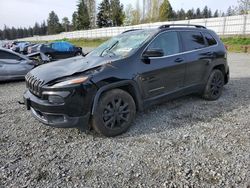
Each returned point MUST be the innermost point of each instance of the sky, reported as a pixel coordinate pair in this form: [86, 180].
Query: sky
[24, 13]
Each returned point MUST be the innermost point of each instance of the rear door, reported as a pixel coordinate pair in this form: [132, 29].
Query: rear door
[163, 74]
[196, 56]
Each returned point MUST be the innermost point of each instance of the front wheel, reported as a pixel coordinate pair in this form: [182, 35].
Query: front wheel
[214, 86]
[115, 112]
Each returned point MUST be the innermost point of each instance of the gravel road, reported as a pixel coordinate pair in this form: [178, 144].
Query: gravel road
[187, 142]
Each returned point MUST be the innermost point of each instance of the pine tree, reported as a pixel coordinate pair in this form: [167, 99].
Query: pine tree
[104, 14]
[83, 21]
[205, 12]
[229, 11]
[166, 11]
[181, 14]
[216, 14]
[66, 24]
[54, 25]
[198, 13]
[74, 21]
[117, 13]
[36, 29]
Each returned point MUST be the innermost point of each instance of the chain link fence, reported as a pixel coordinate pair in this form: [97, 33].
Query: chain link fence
[223, 26]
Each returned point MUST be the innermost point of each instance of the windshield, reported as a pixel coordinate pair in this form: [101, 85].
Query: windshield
[122, 45]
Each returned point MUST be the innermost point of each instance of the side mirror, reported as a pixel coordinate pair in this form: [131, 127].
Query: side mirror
[157, 52]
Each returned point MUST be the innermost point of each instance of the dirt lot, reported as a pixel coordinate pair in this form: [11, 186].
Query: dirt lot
[187, 141]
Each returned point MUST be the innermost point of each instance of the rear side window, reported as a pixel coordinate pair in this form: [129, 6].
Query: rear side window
[168, 42]
[210, 39]
[6, 55]
[192, 40]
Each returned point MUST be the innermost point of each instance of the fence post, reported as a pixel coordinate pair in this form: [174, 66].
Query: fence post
[224, 26]
[206, 22]
[244, 25]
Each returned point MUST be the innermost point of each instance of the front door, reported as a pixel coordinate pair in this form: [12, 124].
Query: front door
[162, 75]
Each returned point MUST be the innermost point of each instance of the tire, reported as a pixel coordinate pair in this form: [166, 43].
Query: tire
[78, 54]
[214, 86]
[115, 113]
[49, 57]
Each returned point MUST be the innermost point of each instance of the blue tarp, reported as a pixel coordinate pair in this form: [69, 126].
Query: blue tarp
[62, 46]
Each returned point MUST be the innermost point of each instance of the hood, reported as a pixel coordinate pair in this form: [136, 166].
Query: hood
[68, 67]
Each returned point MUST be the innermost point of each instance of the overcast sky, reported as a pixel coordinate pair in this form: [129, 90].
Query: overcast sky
[24, 13]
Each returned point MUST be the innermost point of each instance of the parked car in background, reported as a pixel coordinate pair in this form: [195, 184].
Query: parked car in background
[14, 66]
[60, 50]
[34, 48]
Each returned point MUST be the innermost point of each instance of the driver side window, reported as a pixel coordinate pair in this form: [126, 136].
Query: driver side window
[168, 42]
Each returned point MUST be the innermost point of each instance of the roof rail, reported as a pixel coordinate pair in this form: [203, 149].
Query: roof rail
[178, 25]
[130, 30]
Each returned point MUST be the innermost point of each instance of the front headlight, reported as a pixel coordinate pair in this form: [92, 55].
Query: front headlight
[71, 81]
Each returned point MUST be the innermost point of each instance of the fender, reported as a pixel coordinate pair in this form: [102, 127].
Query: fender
[132, 83]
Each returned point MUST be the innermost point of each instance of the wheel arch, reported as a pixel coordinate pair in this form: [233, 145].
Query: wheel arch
[222, 68]
[127, 85]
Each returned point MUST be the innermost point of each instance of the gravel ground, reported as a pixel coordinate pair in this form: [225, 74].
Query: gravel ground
[186, 142]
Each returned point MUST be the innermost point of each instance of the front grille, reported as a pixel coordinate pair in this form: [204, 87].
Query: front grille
[34, 84]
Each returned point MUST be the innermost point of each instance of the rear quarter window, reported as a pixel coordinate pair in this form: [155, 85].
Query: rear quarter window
[210, 39]
[192, 40]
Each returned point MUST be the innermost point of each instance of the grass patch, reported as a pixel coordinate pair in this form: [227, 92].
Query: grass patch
[236, 44]
[81, 42]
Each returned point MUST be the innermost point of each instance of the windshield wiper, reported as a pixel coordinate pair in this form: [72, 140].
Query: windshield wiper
[109, 49]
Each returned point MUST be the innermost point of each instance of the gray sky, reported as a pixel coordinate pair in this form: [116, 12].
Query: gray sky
[24, 13]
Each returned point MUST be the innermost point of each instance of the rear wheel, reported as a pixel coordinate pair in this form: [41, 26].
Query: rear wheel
[49, 57]
[115, 113]
[215, 83]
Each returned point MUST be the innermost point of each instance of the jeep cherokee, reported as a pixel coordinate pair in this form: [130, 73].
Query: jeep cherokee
[128, 73]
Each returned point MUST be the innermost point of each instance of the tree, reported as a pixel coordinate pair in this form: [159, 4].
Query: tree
[104, 15]
[244, 6]
[181, 14]
[91, 6]
[166, 11]
[74, 21]
[43, 29]
[190, 14]
[128, 14]
[66, 24]
[230, 11]
[54, 25]
[205, 12]
[216, 14]
[198, 13]
[36, 29]
[209, 13]
[117, 13]
[82, 21]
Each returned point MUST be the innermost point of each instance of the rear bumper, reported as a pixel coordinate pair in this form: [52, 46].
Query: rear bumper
[54, 115]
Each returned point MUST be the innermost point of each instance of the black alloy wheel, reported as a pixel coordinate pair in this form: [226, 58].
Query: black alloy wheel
[215, 83]
[114, 114]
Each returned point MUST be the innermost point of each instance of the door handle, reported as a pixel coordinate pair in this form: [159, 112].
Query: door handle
[179, 60]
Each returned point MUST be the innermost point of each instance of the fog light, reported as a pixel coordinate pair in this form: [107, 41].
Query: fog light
[55, 99]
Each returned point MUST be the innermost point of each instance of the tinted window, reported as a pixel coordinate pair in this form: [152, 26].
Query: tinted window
[168, 42]
[210, 40]
[7, 55]
[192, 40]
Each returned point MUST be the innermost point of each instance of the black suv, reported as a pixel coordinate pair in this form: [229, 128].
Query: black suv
[128, 73]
